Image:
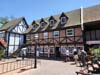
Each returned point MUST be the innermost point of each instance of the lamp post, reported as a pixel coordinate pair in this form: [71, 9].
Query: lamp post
[35, 58]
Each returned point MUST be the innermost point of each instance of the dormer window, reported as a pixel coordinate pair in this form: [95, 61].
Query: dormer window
[42, 24]
[63, 20]
[51, 23]
[34, 25]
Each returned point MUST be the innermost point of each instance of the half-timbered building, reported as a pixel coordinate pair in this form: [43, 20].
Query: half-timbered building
[75, 29]
[12, 32]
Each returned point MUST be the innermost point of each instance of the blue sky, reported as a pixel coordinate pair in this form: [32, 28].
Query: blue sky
[36, 9]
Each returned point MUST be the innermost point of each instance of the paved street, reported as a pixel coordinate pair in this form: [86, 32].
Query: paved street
[51, 67]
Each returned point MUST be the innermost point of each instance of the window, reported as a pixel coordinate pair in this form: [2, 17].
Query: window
[28, 37]
[34, 25]
[46, 35]
[63, 20]
[42, 24]
[98, 36]
[36, 36]
[2, 34]
[51, 22]
[70, 32]
[56, 34]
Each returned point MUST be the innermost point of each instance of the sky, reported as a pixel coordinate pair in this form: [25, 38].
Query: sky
[37, 9]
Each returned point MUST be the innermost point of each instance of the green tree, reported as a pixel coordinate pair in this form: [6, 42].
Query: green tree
[3, 20]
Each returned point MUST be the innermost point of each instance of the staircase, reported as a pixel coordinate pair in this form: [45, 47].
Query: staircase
[17, 52]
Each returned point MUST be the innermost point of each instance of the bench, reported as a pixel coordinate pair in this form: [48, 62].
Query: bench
[92, 69]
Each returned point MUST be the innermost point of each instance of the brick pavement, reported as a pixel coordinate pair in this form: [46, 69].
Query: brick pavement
[51, 67]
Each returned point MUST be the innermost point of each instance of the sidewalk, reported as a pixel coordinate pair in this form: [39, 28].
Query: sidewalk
[51, 67]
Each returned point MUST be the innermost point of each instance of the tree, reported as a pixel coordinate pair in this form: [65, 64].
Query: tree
[3, 20]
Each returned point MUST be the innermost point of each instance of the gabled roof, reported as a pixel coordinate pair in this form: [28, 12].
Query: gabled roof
[91, 14]
[11, 24]
[74, 18]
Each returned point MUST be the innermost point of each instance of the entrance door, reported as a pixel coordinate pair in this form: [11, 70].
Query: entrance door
[57, 52]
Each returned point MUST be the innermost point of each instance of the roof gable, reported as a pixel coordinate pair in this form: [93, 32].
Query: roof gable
[11, 24]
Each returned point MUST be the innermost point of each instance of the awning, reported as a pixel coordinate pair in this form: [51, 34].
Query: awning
[92, 42]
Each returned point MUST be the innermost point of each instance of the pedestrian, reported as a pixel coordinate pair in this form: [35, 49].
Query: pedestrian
[37, 52]
[74, 50]
[76, 58]
[23, 56]
[83, 57]
[48, 52]
[67, 56]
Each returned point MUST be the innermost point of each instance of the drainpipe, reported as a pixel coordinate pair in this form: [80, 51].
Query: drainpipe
[82, 27]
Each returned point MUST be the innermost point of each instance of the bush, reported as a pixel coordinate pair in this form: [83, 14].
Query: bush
[95, 52]
[1, 54]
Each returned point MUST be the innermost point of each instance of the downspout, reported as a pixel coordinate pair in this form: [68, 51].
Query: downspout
[82, 27]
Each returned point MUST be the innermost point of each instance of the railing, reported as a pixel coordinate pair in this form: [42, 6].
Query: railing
[14, 65]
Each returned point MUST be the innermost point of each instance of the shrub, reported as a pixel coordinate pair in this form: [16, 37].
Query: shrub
[95, 52]
[1, 54]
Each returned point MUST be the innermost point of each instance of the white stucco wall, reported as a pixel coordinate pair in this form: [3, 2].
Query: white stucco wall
[16, 40]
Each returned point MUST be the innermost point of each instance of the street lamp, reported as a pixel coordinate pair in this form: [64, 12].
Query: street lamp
[35, 58]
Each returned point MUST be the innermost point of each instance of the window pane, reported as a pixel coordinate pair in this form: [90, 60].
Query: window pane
[46, 35]
[93, 35]
[51, 22]
[42, 24]
[87, 35]
[70, 32]
[63, 20]
[98, 36]
[56, 33]
[34, 25]
[36, 36]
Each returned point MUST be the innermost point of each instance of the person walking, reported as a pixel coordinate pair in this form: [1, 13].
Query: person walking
[67, 56]
[76, 58]
[83, 57]
[48, 52]
[37, 52]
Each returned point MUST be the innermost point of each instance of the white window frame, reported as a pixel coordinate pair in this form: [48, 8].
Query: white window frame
[36, 36]
[67, 33]
[52, 21]
[65, 20]
[45, 34]
[54, 34]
